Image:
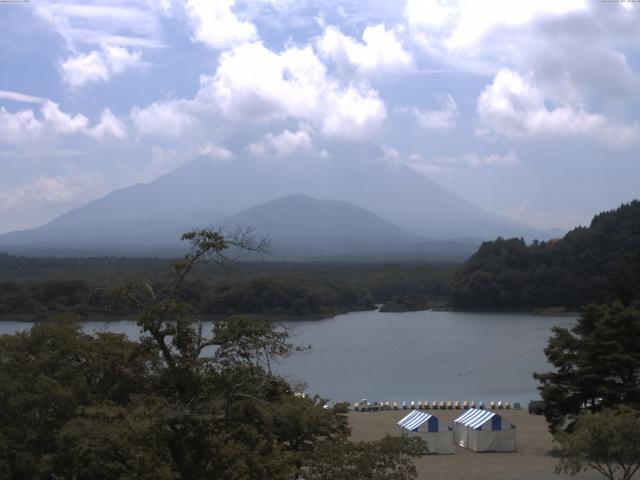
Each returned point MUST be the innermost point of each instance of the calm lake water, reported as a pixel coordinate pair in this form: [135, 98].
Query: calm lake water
[409, 356]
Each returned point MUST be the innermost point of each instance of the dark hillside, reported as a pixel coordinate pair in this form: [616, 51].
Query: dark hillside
[590, 264]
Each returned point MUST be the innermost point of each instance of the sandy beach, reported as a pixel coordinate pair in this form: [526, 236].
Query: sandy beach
[532, 461]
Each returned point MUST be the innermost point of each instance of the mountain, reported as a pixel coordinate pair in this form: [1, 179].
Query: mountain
[300, 217]
[204, 191]
[300, 227]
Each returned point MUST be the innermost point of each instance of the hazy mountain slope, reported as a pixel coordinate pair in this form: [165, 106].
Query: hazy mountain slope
[154, 213]
[300, 217]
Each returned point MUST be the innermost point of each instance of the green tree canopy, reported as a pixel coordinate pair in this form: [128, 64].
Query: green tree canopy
[181, 403]
[607, 441]
[597, 364]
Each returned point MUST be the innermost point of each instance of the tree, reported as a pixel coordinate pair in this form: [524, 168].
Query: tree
[597, 365]
[388, 459]
[607, 441]
[179, 404]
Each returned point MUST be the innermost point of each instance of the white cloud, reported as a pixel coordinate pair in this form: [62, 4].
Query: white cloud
[216, 25]
[41, 198]
[81, 69]
[23, 126]
[381, 52]
[19, 127]
[62, 122]
[163, 160]
[132, 24]
[98, 66]
[19, 97]
[170, 117]
[448, 165]
[254, 83]
[444, 117]
[108, 126]
[217, 152]
[494, 159]
[281, 145]
[457, 25]
[512, 106]
[120, 59]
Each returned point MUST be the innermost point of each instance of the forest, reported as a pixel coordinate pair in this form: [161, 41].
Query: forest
[589, 265]
[81, 286]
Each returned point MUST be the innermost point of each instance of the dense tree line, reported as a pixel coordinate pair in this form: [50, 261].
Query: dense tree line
[589, 265]
[267, 296]
[251, 288]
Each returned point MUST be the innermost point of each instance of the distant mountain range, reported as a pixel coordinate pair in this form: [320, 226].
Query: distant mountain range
[349, 205]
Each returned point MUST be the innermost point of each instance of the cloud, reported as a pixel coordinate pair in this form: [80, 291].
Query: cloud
[163, 160]
[81, 69]
[39, 199]
[20, 97]
[513, 107]
[442, 118]
[544, 39]
[217, 152]
[255, 83]
[281, 145]
[78, 23]
[170, 117]
[447, 165]
[381, 52]
[108, 126]
[24, 126]
[459, 25]
[216, 25]
[98, 66]
[494, 159]
[62, 122]
[19, 127]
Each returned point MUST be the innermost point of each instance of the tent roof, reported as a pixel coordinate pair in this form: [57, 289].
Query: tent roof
[475, 417]
[414, 420]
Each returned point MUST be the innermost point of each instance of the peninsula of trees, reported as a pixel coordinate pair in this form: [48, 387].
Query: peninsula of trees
[589, 265]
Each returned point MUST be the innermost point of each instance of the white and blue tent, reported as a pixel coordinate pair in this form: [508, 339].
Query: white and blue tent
[439, 438]
[484, 431]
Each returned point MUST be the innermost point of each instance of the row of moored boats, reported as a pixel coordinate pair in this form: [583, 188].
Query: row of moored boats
[365, 406]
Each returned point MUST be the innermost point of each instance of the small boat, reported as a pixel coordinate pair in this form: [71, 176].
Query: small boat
[465, 405]
[456, 405]
[395, 405]
[492, 405]
[413, 405]
[404, 405]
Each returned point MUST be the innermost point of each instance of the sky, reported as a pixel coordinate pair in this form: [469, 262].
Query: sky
[530, 109]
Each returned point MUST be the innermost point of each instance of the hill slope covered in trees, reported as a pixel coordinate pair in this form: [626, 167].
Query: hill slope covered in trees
[589, 265]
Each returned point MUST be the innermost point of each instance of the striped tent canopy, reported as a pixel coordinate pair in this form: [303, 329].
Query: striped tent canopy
[416, 418]
[476, 418]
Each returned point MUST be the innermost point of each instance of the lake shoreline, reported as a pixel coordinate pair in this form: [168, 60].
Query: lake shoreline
[290, 317]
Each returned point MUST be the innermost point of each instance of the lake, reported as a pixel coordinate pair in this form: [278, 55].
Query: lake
[409, 356]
